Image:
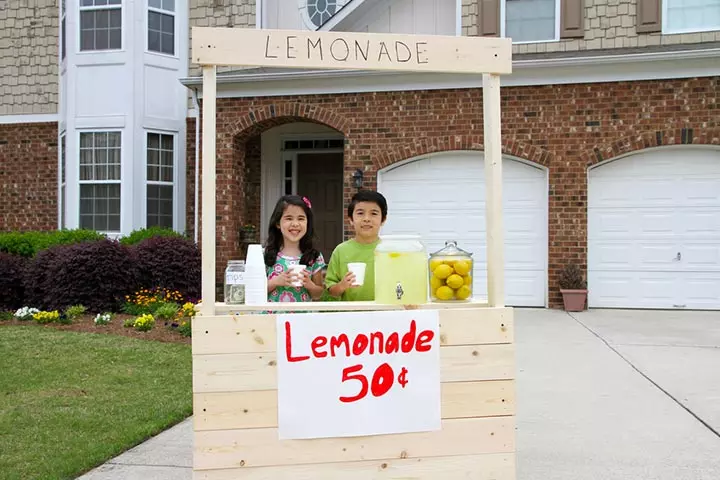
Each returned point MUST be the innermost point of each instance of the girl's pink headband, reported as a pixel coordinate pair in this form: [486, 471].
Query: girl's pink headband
[307, 202]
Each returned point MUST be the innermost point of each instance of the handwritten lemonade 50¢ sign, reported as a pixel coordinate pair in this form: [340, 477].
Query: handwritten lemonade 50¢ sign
[358, 373]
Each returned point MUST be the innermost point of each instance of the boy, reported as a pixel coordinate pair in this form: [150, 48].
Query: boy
[367, 213]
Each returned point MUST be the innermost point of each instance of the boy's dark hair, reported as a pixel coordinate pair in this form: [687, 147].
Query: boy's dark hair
[274, 241]
[371, 197]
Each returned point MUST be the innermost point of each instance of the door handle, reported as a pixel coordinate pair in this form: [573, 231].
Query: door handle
[678, 257]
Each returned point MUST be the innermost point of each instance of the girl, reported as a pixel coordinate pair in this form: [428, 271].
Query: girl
[290, 242]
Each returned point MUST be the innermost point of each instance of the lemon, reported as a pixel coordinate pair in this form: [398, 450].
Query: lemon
[435, 283]
[462, 267]
[454, 281]
[444, 293]
[462, 293]
[394, 254]
[468, 280]
[443, 271]
[434, 264]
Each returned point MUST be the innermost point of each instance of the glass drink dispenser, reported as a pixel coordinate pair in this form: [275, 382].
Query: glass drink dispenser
[401, 275]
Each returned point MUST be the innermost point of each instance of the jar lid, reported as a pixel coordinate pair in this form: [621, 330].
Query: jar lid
[398, 238]
[451, 250]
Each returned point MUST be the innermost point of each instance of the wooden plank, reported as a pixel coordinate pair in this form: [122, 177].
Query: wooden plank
[208, 188]
[258, 409]
[496, 466]
[244, 372]
[256, 333]
[493, 191]
[350, 50]
[223, 308]
[261, 447]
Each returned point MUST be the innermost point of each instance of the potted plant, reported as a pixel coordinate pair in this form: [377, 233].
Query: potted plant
[248, 233]
[573, 288]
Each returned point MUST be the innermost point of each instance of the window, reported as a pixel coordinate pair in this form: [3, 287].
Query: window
[62, 181]
[100, 25]
[160, 174]
[63, 35]
[161, 26]
[691, 15]
[100, 154]
[531, 20]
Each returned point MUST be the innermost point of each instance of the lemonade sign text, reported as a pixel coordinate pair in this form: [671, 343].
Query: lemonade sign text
[358, 373]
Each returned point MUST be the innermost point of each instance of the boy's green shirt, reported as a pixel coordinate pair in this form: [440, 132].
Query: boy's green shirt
[351, 251]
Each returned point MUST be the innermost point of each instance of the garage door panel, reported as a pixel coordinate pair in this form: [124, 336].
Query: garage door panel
[644, 210]
[620, 290]
[429, 198]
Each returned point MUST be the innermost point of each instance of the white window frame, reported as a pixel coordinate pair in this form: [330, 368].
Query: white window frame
[176, 41]
[100, 182]
[557, 25]
[175, 175]
[96, 8]
[62, 180]
[63, 30]
[667, 31]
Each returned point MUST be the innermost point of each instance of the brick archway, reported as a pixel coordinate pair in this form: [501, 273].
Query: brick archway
[258, 119]
[426, 146]
[658, 138]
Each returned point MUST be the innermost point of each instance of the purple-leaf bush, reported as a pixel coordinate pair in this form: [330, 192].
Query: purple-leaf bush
[169, 262]
[97, 275]
[12, 291]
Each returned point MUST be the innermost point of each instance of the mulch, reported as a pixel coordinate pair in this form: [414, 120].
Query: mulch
[86, 323]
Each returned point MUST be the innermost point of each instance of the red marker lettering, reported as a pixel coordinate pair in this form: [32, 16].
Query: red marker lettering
[288, 346]
[317, 343]
[423, 341]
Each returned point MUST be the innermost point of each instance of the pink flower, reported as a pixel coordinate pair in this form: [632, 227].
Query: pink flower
[287, 297]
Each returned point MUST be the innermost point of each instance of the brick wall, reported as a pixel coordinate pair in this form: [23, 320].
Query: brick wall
[565, 128]
[28, 176]
[608, 24]
[28, 57]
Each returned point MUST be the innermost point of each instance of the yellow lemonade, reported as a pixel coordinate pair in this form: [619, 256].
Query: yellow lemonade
[401, 278]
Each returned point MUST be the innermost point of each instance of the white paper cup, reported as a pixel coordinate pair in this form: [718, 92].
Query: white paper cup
[296, 272]
[359, 270]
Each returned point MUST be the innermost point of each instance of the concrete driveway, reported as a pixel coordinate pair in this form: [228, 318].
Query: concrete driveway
[602, 395]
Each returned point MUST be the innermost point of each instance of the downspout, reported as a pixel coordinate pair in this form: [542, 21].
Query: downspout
[196, 104]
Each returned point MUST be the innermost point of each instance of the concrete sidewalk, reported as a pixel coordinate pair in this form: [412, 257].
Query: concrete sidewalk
[602, 395]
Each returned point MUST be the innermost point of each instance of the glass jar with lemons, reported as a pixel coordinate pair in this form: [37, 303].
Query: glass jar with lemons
[450, 271]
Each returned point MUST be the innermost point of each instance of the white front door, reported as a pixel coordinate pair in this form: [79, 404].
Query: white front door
[442, 197]
[654, 230]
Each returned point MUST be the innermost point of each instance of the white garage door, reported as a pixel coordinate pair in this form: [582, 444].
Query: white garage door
[654, 230]
[442, 197]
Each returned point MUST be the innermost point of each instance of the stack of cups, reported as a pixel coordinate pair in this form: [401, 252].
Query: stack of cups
[255, 276]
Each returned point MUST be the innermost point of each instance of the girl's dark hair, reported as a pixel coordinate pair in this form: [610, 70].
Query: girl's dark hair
[275, 239]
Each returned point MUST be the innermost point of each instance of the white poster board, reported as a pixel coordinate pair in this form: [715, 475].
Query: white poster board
[358, 373]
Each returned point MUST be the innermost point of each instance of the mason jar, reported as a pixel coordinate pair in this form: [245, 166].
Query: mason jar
[235, 282]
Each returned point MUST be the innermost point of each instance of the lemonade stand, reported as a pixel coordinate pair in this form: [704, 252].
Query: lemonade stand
[395, 388]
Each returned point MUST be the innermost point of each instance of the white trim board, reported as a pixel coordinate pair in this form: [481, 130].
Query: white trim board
[30, 118]
[617, 68]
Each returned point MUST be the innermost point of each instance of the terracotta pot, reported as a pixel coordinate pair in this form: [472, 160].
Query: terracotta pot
[574, 300]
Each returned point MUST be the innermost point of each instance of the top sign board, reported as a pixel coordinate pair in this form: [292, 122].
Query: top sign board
[350, 50]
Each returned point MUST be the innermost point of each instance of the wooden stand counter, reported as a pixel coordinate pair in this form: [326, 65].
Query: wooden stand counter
[236, 415]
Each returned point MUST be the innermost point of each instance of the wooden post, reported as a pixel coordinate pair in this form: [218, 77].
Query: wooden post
[493, 190]
[208, 190]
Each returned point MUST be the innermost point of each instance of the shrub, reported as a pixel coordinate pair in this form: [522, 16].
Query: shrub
[129, 323]
[171, 263]
[571, 278]
[144, 323]
[28, 244]
[143, 234]
[12, 272]
[75, 311]
[166, 311]
[95, 274]
[6, 316]
[47, 317]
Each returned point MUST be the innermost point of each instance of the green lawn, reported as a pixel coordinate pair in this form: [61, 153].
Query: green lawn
[70, 401]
